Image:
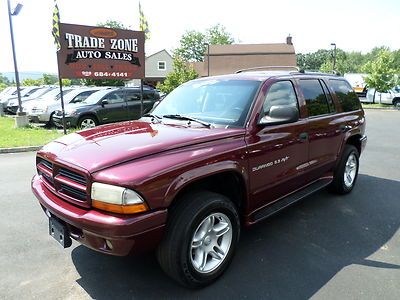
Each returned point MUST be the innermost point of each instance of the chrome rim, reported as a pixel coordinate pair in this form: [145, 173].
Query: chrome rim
[211, 243]
[88, 123]
[350, 170]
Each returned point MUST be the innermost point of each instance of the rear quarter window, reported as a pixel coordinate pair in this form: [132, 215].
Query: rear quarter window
[347, 97]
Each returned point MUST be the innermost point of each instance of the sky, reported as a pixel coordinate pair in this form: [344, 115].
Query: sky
[353, 25]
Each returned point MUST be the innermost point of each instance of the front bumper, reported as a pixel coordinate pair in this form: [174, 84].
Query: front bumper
[39, 117]
[127, 233]
[363, 141]
[69, 121]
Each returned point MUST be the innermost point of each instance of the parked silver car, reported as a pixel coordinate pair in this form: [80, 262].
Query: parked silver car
[41, 111]
[28, 94]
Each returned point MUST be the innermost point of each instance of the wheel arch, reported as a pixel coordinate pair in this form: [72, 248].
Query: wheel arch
[229, 183]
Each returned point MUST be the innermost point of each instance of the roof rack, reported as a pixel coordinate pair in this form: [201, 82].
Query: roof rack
[330, 72]
[269, 68]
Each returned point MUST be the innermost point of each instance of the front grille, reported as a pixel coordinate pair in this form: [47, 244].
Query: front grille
[72, 192]
[73, 176]
[67, 184]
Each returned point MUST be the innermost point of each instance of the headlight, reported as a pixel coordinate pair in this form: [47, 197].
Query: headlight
[116, 199]
[70, 112]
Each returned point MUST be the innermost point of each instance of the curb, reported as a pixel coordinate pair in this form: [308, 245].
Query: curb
[382, 108]
[20, 149]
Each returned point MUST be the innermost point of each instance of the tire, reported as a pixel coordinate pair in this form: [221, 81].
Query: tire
[86, 122]
[396, 103]
[50, 123]
[346, 173]
[191, 252]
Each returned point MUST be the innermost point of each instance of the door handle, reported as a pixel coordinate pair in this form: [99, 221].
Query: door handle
[303, 136]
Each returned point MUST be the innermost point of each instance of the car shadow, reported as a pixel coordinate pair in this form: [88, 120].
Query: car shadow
[289, 256]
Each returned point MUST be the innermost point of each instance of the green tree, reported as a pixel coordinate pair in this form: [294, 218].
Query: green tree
[107, 82]
[112, 24]
[31, 82]
[181, 73]
[49, 79]
[313, 61]
[381, 73]
[4, 82]
[193, 44]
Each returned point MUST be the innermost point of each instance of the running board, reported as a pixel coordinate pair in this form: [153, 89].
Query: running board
[291, 199]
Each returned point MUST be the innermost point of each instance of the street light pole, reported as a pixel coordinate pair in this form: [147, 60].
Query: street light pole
[208, 58]
[16, 11]
[334, 55]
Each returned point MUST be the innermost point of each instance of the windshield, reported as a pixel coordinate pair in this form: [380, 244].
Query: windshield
[95, 97]
[218, 101]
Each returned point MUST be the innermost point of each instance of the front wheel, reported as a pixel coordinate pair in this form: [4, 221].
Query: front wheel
[200, 239]
[87, 122]
[346, 172]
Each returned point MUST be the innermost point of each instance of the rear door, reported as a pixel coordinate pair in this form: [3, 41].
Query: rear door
[115, 109]
[133, 103]
[324, 128]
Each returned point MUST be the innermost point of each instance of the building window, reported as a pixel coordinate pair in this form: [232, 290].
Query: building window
[162, 65]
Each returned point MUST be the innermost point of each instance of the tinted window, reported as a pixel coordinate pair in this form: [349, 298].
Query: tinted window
[280, 93]
[347, 97]
[315, 97]
[115, 97]
[331, 105]
[133, 96]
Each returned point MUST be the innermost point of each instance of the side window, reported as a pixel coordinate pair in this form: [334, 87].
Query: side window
[280, 93]
[115, 97]
[347, 97]
[331, 105]
[315, 97]
[133, 96]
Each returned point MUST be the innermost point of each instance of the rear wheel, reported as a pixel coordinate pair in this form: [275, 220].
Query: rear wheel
[346, 172]
[396, 103]
[87, 122]
[200, 239]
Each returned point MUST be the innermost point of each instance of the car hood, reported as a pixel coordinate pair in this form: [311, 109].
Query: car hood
[109, 145]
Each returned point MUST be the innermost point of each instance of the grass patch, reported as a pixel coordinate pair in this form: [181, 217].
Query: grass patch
[29, 136]
[376, 105]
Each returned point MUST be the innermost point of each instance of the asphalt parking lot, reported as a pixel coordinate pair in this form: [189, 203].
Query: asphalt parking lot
[326, 247]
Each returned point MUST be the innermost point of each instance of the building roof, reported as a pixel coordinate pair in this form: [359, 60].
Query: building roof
[158, 52]
[243, 49]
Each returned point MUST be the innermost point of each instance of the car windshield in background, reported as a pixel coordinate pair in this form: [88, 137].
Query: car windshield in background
[217, 101]
[95, 97]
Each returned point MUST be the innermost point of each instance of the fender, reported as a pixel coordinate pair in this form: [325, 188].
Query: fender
[194, 175]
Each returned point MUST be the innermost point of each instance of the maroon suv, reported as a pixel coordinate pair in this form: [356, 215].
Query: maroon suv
[216, 154]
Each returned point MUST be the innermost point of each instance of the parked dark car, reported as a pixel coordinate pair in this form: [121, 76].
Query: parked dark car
[215, 154]
[107, 106]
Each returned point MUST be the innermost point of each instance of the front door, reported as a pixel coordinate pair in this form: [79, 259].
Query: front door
[115, 109]
[277, 153]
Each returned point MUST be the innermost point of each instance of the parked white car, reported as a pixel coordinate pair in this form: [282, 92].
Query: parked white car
[41, 111]
[390, 97]
[27, 94]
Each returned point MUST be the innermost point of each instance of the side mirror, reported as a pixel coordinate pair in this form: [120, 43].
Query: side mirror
[104, 102]
[280, 114]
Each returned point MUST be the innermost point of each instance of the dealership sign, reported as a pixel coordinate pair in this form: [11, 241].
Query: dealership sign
[100, 53]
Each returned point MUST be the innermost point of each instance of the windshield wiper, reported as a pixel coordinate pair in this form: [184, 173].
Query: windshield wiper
[158, 118]
[186, 118]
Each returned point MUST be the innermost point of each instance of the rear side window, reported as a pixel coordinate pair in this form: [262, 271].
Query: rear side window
[315, 97]
[347, 97]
